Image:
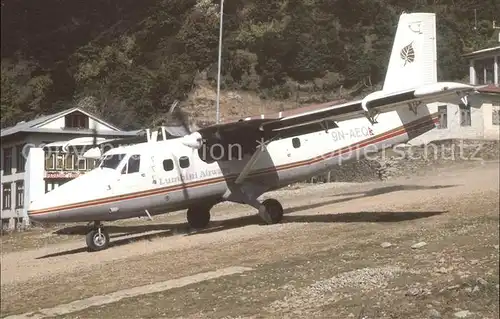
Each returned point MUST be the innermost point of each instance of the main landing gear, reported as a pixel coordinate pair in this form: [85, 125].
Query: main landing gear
[97, 238]
[198, 217]
[270, 210]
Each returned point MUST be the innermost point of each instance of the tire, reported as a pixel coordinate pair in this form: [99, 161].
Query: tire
[198, 217]
[96, 241]
[271, 211]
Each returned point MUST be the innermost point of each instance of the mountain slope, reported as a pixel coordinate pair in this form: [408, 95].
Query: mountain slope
[131, 60]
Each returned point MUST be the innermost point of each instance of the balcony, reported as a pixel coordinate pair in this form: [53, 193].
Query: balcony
[484, 66]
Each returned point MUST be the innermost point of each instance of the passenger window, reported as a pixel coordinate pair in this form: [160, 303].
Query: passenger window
[168, 165]
[184, 162]
[296, 142]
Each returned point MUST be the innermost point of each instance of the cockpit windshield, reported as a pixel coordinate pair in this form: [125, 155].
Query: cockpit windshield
[111, 161]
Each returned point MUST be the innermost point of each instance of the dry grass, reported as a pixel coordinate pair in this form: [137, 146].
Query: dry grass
[201, 104]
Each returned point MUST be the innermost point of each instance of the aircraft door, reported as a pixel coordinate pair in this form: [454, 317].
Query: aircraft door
[133, 176]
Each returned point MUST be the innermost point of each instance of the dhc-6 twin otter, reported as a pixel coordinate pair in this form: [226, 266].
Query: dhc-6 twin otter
[257, 155]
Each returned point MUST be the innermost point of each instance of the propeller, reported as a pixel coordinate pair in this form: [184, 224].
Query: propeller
[178, 118]
[94, 137]
[183, 128]
[94, 152]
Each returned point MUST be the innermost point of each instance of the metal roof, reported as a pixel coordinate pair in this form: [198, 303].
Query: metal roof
[491, 88]
[34, 125]
[478, 52]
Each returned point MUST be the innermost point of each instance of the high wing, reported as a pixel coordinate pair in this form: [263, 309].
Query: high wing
[255, 130]
[369, 107]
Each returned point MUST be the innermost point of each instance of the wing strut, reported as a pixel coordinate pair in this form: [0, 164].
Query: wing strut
[251, 162]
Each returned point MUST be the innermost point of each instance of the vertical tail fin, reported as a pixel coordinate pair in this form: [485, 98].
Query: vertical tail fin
[413, 57]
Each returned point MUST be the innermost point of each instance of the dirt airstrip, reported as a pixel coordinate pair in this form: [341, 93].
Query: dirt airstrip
[419, 247]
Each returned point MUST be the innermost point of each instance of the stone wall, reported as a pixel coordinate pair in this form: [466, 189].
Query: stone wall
[413, 160]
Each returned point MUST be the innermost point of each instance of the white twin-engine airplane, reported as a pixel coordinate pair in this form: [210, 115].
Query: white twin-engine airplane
[167, 175]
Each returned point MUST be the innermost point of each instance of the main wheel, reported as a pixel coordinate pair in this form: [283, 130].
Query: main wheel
[97, 240]
[198, 217]
[271, 211]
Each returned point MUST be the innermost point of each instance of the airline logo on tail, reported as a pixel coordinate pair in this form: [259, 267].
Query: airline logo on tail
[408, 53]
[415, 27]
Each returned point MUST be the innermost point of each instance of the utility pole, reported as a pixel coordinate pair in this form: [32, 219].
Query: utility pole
[217, 119]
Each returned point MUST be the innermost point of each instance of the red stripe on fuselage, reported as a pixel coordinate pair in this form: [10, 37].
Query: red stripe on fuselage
[413, 126]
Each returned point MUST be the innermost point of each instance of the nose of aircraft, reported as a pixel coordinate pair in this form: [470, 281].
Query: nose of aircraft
[48, 207]
[41, 209]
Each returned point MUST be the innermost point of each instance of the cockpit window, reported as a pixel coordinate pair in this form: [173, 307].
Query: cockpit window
[111, 161]
[132, 165]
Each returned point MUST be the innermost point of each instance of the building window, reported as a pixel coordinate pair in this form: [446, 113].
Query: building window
[51, 185]
[59, 161]
[80, 164]
[484, 69]
[479, 72]
[20, 158]
[69, 162]
[48, 187]
[184, 162]
[498, 64]
[77, 120]
[296, 142]
[465, 116]
[6, 195]
[7, 161]
[19, 194]
[443, 116]
[495, 115]
[91, 164]
[49, 161]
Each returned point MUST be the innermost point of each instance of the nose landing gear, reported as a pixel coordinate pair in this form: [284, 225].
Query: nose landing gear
[97, 238]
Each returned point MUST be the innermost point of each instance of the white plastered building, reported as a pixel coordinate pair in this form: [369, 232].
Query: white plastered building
[51, 167]
[482, 119]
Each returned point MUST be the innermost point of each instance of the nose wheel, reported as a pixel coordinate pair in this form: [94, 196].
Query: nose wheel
[97, 238]
[198, 216]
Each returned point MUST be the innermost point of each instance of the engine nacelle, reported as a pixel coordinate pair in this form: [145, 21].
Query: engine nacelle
[194, 140]
[94, 153]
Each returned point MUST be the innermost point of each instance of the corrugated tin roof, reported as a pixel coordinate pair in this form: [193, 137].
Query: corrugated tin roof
[487, 50]
[34, 125]
[492, 88]
[22, 126]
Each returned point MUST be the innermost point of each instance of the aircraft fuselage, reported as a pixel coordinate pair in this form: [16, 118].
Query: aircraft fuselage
[172, 176]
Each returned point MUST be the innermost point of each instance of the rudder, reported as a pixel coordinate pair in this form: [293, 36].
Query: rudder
[413, 60]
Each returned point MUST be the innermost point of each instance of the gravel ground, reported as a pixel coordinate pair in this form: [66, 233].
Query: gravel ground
[337, 241]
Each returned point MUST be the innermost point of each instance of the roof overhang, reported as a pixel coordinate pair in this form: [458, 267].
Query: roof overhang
[35, 124]
[490, 89]
[483, 53]
[34, 130]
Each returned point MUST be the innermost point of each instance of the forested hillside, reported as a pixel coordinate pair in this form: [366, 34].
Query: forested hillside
[129, 60]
